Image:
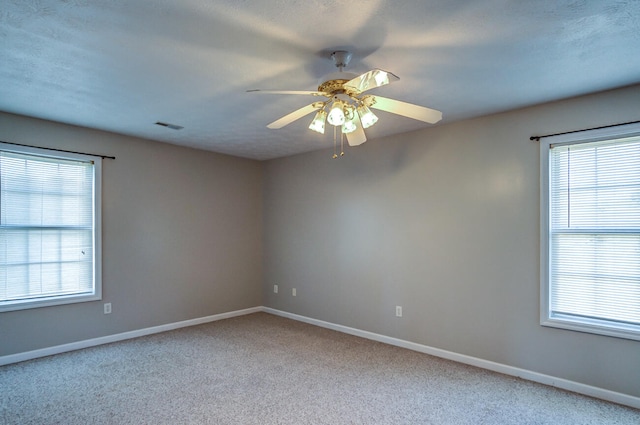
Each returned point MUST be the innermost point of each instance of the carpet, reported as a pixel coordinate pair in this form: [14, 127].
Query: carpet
[265, 369]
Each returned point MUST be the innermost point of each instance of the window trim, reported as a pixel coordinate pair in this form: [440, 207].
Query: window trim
[97, 231]
[590, 326]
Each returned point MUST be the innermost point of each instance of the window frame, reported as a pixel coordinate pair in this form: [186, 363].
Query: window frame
[56, 300]
[546, 319]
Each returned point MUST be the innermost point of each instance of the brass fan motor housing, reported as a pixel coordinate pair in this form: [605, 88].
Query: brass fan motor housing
[336, 86]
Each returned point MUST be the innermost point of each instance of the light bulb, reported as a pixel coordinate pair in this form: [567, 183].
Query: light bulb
[336, 114]
[367, 117]
[318, 122]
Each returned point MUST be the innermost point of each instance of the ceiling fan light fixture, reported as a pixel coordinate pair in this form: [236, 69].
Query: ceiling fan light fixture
[318, 121]
[367, 117]
[346, 105]
[336, 114]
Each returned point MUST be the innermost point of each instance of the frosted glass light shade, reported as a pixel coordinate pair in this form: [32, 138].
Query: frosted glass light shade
[318, 122]
[367, 117]
[349, 126]
[336, 114]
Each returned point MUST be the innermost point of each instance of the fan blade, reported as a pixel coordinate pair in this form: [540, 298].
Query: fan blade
[312, 93]
[356, 137]
[410, 110]
[370, 80]
[297, 114]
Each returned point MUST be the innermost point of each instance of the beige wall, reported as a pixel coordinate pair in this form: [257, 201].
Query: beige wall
[445, 223]
[181, 230]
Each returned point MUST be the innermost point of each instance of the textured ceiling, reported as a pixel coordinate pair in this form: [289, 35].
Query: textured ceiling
[122, 65]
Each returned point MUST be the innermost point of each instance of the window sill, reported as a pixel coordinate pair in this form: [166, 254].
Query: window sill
[47, 302]
[593, 327]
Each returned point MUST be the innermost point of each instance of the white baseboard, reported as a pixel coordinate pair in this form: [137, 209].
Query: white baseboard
[29, 355]
[564, 384]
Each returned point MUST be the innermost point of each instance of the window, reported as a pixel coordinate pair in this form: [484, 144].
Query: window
[49, 228]
[591, 231]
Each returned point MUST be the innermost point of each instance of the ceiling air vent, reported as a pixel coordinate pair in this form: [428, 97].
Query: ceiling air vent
[171, 126]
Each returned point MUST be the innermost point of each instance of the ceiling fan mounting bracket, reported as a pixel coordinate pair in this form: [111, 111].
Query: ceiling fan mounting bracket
[341, 58]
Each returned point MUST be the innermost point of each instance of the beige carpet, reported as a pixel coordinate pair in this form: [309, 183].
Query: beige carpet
[264, 369]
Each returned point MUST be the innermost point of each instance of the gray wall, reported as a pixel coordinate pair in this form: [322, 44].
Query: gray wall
[444, 222]
[182, 237]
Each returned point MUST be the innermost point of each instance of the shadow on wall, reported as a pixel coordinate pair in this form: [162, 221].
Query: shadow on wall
[380, 158]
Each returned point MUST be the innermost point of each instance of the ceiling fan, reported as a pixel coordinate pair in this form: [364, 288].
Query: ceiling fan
[346, 104]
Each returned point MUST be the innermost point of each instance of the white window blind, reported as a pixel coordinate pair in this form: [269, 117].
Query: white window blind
[47, 229]
[592, 276]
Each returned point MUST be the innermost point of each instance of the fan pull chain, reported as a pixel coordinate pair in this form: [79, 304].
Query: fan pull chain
[335, 143]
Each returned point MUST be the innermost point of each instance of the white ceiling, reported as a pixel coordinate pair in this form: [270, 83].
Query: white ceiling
[123, 65]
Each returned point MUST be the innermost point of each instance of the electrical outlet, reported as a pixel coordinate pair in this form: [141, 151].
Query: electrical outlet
[398, 311]
[293, 292]
[275, 289]
[107, 308]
